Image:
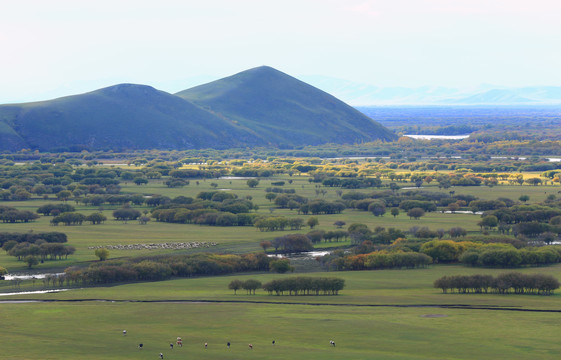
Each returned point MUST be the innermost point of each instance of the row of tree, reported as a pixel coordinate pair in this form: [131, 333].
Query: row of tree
[279, 223]
[303, 285]
[491, 254]
[204, 216]
[13, 215]
[31, 237]
[165, 266]
[74, 218]
[376, 260]
[40, 249]
[511, 257]
[515, 282]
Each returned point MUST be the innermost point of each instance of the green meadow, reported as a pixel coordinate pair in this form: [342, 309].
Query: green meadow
[228, 239]
[393, 314]
[385, 314]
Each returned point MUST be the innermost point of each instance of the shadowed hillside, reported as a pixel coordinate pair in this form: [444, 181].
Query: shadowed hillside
[258, 107]
[285, 110]
[123, 116]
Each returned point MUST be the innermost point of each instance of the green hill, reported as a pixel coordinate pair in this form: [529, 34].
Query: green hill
[284, 110]
[258, 107]
[123, 116]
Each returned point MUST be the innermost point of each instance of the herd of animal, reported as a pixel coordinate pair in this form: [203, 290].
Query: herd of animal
[179, 342]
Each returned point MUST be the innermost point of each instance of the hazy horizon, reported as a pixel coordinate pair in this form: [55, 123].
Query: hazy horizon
[63, 47]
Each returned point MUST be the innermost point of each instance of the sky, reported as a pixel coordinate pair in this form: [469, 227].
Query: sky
[63, 47]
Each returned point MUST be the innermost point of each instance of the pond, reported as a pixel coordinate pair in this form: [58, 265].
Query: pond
[438, 137]
[301, 255]
[463, 212]
[33, 292]
[29, 276]
[236, 177]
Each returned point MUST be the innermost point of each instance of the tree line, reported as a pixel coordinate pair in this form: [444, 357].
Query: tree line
[507, 283]
[377, 260]
[164, 267]
[300, 285]
[12, 215]
[490, 255]
[31, 237]
[303, 285]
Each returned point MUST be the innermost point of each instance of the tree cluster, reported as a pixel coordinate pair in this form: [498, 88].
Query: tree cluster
[249, 286]
[164, 267]
[13, 215]
[377, 260]
[292, 243]
[31, 237]
[40, 249]
[304, 285]
[507, 283]
[509, 256]
[278, 223]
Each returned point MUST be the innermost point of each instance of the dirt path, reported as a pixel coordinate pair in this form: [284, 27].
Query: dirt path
[438, 306]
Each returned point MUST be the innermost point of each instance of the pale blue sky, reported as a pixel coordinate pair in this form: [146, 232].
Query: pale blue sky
[62, 47]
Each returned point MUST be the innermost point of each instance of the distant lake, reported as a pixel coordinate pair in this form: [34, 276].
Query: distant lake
[438, 137]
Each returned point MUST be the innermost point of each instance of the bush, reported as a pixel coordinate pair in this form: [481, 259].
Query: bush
[280, 266]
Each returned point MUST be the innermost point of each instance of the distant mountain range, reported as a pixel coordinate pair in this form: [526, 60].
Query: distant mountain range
[360, 94]
[257, 107]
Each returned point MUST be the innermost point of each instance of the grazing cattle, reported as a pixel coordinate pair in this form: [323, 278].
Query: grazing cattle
[124, 332]
[228, 344]
[161, 356]
[250, 347]
[206, 345]
[140, 346]
[332, 342]
[273, 342]
[171, 346]
[179, 342]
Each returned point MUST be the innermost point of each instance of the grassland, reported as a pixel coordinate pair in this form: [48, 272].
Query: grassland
[406, 324]
[389, 314]
[228, 239]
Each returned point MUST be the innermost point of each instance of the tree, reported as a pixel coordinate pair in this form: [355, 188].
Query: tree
[252, 183]
[415, 213]
[126, 214]
[488, 222]
[270, 196]
[534, 181]
[377, 208]
[143, 220]
[339, 224]
[265, 245]
[31, 260]
[96, 218]
[312, 222]
[140, 181]
[69, 218]
[524, 198]
[457, 232]
[3, 271]
[280, 266]
[102, 254]
[394, 211]
[251, 285]
[442, 250]
[64, 195]
[453, 207]
[235, 285]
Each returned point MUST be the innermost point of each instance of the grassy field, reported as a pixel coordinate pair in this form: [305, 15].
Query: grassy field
[228, 239]
[389, 314]
[421, 330]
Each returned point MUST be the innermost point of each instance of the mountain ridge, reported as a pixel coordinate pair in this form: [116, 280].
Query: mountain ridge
[133, 116]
